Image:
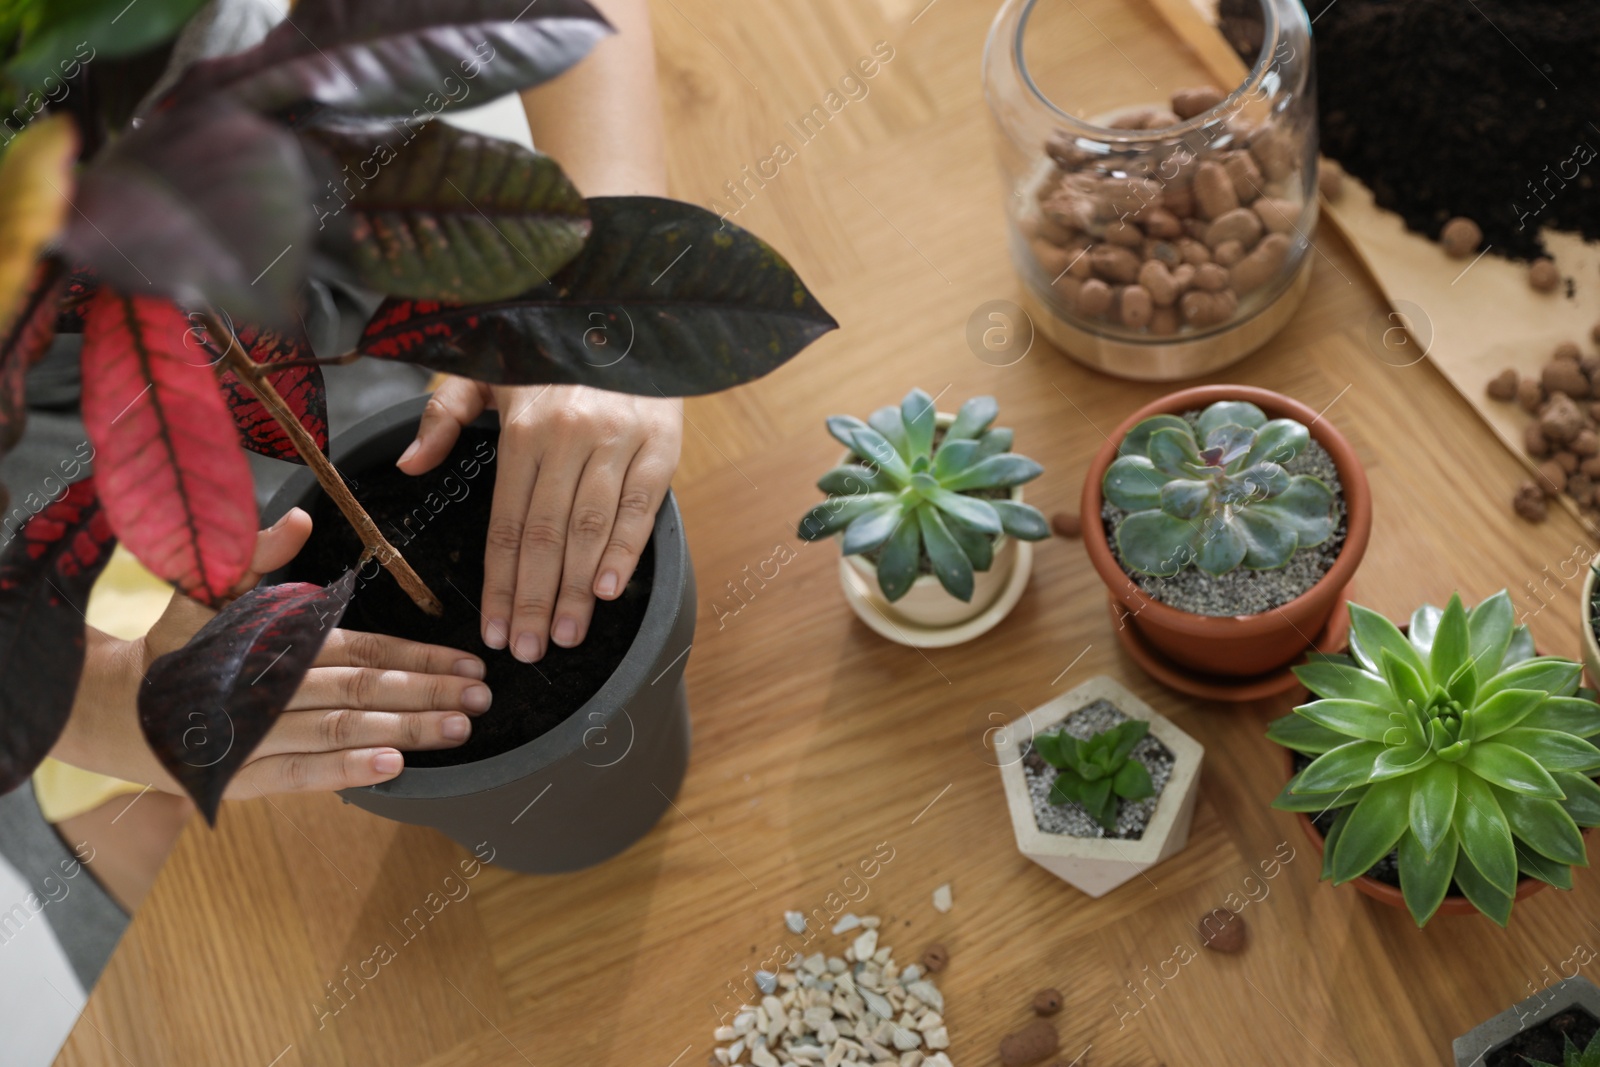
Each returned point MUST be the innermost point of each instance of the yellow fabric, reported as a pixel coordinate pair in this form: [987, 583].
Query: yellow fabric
[126, 601]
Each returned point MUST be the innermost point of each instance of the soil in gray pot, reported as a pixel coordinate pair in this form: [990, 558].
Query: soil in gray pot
[1242, 591]
[439, 521]
[1072, 819]
[1544, 1043]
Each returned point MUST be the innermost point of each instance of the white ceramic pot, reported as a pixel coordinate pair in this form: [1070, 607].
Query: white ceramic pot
[1098, 865]
[926, 605]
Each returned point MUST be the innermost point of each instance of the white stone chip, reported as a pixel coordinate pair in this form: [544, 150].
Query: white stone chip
[866, 945]
[848, 921]
[795, 921]
[942, 898]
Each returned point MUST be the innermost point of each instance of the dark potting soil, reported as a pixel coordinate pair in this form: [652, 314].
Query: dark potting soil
[1445, 108]
[1546, 1042]
[438, 522]
[1242, 591]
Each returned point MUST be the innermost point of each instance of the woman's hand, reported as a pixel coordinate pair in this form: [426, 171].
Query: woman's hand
[366, 698]
[581, 473]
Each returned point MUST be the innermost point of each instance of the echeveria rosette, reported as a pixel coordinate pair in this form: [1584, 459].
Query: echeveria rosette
[1572, 1056]
[1454, 744]
[1097, 772]
[1218, 505]
[904, 497]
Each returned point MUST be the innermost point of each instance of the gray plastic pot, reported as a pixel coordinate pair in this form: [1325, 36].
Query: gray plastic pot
[595, 784]
[1473, 1047]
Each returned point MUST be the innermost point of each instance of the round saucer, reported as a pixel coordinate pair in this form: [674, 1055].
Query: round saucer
[871, 608]
[1221, 687]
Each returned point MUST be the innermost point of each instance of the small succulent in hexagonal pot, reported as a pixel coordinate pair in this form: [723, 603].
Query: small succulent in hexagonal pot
[1214, 494]
[1098, 772]
[924, 501]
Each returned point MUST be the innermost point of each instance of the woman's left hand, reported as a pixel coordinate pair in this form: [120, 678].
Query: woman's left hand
[581, 473]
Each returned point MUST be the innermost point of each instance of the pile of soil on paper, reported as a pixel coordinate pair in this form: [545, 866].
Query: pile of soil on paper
[1446, 108]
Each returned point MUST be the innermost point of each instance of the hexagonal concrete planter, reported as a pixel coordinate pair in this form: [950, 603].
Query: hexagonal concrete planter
[1098, 865]
[1472, 1048]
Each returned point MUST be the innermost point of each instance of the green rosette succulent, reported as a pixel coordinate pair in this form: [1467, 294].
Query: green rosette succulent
[1573, 1056]
[1098, 772]
[906, 498]
[1218, 505]
[1454, 744]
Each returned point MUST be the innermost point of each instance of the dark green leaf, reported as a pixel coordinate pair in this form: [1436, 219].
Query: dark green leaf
[1022, 521]
[1554, 750]
[918, 415]
[855, 479]
[1353, 718]
[1583, 797]
[1573, 715]
[977, 545]
[1303, 735]
[950, 564]
[878, 451]
[1132, 483]
[208, 204]
[842, 429]
[996, 472]
[1485, 836]
[1425, 877]
[1433, 804]
[1341, 768]
[1370, 633]
[1173, 451]
[69, 33]
[1124, 736]
[974, 511]
[1533, 865]
[446, 214]
[1137, 441]
[1501, 712]
[1331, 842]
[1374, 828]
[973, 418]
[1132, 782]
[1424, 624]
[900, 561]
[886, 420]
[835, 513]
[1490, 623]
[1451, 642]
[1547, 674]
[1097, 798]
[1544, 826]
[872, 528]
[1484, 894]
[664, 300]
[1347, 682]
[1315, 803]
[1510, 769]
[953, 456]
[1407, 683]
[406, 54]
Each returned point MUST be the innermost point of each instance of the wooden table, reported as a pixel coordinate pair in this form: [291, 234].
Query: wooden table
[816, 740]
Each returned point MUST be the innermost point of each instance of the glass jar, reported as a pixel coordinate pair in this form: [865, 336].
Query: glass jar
[1160, 223]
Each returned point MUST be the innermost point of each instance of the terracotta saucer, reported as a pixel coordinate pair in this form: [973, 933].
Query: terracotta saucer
[1221, 687]
[872, 609]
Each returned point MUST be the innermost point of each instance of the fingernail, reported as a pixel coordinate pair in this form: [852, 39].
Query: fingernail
[469, 668]
[476, 698]
[281, 520]
[566, 632]
[387, 763]
[607, 585]
[495, 635]
[410, 451]
[527, 648]
[455, 728]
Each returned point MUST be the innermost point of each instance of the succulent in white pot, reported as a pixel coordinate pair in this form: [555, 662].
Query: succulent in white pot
[928, 507]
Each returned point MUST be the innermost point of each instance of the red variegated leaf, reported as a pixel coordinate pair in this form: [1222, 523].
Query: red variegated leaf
[176, 486]
[81, 285]
[205, 707]
[301, 388]
[27, 338]
[46, 573]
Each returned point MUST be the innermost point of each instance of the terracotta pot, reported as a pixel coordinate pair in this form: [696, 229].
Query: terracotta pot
[1390, 894]
[1238, 645]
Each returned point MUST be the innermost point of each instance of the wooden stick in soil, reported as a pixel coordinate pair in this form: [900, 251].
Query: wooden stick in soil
[378, 547]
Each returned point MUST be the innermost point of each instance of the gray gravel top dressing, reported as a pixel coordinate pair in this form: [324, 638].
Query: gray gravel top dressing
[1071, 819]
[1242, 591]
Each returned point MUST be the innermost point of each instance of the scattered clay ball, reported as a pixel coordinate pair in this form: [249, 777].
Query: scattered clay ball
[1330, 178]
[1187, 103]
[1591, 466]
[1534, 442]
[1561, 420]
[1503, 386]
[1460, 237]
[1566, 350]
[1529, 395]
[1030, 1044]
[1594, 333]
[1552, 477]
[1565, 376]
[1586, 444]
[934, 958]
[1222, 931]
[1543, 276]
[1567, 461]
[1066, 524]
[1047, 1002]
[1529, 502]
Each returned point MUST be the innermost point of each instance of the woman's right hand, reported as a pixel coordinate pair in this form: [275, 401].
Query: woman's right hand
[367, 698]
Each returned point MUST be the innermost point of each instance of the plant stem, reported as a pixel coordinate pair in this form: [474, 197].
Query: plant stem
[377, 546]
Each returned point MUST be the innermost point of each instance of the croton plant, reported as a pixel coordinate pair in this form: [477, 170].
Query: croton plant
[177, 235]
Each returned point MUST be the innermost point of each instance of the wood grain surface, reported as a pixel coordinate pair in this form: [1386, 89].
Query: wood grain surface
[816, 741]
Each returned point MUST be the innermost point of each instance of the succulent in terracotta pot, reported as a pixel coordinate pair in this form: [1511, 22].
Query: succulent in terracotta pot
[924, 496]
[1226, 521]
[1451, 758]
